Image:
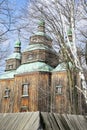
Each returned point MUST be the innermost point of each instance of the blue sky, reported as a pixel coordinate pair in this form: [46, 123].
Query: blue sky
[16, 5]
[20, 3]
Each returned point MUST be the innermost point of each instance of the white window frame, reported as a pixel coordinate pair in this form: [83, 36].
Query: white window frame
[25, 90]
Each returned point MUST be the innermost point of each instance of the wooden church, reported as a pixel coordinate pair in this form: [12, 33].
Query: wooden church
[34, 80]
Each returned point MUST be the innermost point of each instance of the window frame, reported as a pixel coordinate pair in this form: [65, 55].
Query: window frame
[30, 57]
[7, 93]
[10, 66]
[25, 90]
[59, 89]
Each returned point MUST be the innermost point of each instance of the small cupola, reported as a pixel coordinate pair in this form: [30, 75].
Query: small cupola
[41, 26]
[14, 60]
[41, 30]
[40, 37]
[17, 46]
[69, 33]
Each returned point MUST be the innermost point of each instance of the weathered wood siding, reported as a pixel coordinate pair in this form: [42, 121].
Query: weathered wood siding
[6, 104]
[38, 90]
[14, 62]
[60, 102]
[44, 91]
[46, 56]
[71, 100]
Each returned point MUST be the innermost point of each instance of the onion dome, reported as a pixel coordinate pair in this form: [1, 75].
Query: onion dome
[41, 22]
[69, 32]
[18, 43]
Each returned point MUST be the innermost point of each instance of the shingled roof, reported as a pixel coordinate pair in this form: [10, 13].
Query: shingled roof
[42, 121]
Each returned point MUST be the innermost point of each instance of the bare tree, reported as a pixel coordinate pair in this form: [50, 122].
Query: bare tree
[61, 16]
[5, 23]
[8, 26]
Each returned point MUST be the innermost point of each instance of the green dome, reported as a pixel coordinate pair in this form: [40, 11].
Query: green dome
[69, 32]
[41, 23]
[17, 43]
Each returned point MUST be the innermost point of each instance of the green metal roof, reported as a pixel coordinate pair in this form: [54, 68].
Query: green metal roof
[8, 74]
[42, 34]
[62, 67]
[15, 55]
[38, 46]
[36, 66]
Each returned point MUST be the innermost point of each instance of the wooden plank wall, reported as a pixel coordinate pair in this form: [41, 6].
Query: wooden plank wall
[42, 121]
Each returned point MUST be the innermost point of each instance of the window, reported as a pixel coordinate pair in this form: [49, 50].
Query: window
[59, 89]
[34, 39]
[24, 90]
[7, 93]
[10, 66]
[30, 56]
[24, 109]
